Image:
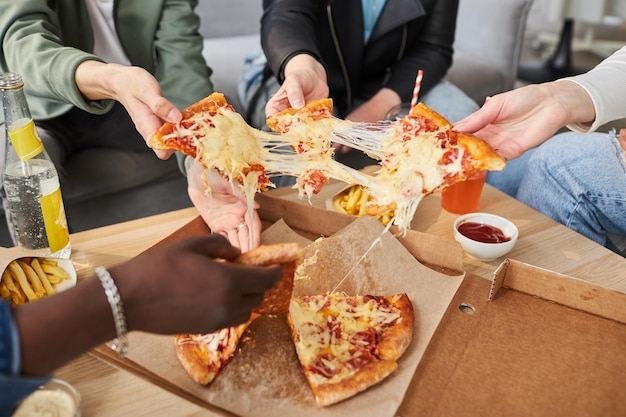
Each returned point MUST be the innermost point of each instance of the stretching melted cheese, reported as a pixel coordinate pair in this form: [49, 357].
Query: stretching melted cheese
[415, 160]
[334, 334]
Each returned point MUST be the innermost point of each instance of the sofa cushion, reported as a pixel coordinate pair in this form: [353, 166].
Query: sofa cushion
[225, 56]
[477, 79]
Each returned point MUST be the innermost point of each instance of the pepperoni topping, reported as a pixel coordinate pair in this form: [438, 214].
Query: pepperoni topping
[263, 181]
[315, 179]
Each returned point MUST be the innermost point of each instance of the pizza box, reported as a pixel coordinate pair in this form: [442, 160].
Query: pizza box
[533, 342]
[530, 343]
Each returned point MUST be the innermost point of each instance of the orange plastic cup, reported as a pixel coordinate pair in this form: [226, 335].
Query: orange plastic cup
[463, 197]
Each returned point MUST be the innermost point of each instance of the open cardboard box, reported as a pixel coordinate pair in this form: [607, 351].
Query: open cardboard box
[533, 342]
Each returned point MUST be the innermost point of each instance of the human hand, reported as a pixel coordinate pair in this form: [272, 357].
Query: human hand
[520, 119]
[226, 210]
[305, 80]
[182, 288]
[135, 88]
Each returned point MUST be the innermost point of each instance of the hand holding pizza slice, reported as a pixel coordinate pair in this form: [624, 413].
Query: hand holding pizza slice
[203, 356]
[419, 154]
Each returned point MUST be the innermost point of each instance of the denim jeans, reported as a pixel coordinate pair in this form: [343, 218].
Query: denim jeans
[579, 180]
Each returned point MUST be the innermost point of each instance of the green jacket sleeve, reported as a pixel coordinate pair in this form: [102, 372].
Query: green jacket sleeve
[32, 46]
[180, 67]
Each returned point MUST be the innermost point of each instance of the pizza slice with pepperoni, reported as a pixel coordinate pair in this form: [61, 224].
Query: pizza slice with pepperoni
[347, 344]
[419, 154]
[203, 356]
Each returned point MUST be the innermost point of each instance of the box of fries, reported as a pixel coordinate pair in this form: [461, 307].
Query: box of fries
[27, 278]
[356, 200]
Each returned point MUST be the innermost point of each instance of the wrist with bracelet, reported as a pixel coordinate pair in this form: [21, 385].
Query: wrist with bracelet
[120, 343]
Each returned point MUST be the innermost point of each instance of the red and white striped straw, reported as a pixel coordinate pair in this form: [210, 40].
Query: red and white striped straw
[416, 89]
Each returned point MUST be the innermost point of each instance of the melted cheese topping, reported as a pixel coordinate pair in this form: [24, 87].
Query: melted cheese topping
[411, 160]
[335, 334]
[214, 342]
[300, 273]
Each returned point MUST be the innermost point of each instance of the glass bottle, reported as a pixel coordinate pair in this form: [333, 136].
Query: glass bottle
[31, 181]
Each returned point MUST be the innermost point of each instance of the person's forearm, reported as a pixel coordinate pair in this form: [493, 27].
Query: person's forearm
[572, 97]
[96, 80]
[56, 329]
[606, 86]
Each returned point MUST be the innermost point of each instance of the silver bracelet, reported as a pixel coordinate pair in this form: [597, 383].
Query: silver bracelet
[120, 343]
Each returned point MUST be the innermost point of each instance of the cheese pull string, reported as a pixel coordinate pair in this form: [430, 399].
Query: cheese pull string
[378, 240]
[371, 138]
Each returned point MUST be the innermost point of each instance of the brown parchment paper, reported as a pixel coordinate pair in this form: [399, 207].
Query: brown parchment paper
[264, 376]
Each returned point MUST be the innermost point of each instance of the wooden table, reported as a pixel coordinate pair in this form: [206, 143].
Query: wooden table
[109, 391]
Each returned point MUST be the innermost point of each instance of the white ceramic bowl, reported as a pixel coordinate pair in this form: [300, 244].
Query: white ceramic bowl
[56, 397]
[486, 251]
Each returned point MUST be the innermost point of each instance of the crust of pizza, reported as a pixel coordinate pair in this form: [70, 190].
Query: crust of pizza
[481, 152]
[203, 356]
[371, 374]
[213, 103]
[289, 255]
[313, 110]
[394, 341]
[423, 111]
[345, 345]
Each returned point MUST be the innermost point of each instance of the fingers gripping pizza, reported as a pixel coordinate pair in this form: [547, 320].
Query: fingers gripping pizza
[207, 132]
[345, 344]
[203, 356]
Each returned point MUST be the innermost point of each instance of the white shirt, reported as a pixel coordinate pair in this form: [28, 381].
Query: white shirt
[106, 42]
[606, 85]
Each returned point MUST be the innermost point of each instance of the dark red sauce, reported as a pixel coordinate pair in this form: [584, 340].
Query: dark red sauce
[482, 232]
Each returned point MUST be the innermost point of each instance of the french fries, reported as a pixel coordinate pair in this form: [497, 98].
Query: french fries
[29, 279]
[357, 201]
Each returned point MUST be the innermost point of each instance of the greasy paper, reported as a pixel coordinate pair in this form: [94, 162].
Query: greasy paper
[264, 374]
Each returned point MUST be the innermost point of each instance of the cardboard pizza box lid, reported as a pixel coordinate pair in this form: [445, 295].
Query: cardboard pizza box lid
[532, 342]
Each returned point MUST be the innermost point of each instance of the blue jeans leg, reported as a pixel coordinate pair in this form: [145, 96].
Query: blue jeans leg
[579, 181]
[509, 179]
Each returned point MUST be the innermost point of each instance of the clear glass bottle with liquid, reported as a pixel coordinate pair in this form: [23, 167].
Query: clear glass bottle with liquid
[31, 181]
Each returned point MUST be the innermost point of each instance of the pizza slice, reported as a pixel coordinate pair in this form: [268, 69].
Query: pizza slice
[309, 132]
[419, 155]
[213, 133]
[203, 356]
[346, 344]
[425, 155]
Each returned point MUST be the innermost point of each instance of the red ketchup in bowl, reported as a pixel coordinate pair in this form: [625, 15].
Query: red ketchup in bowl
[482, 232]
